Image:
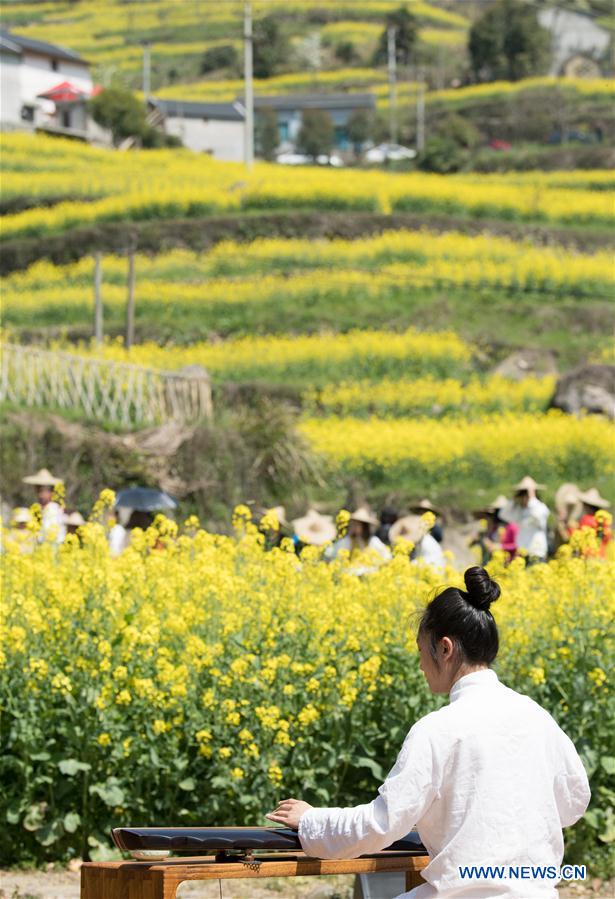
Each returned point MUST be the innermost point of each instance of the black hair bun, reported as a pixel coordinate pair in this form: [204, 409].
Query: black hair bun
[482, 590]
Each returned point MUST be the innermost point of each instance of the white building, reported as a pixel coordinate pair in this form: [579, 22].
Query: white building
[29, 68]
[579, 46]
[214, 128]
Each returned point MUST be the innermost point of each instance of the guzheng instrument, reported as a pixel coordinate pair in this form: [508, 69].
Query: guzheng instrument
[236, 844]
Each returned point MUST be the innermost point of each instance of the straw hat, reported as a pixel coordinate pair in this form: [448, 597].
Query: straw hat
[21, 515]
[566, 499]
[363, 514]
[315, 528]
[425, 505]
[411, 527]
[592, 497]
[280, 514]
[75, 519]
[528, 483]
[498, 503]
[42, 478]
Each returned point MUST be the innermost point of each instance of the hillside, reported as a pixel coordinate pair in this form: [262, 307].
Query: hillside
[110, 32]
[383, 341]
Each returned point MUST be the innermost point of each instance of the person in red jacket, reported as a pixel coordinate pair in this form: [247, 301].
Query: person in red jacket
[596, 517]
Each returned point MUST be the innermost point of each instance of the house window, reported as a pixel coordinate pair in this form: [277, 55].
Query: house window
[65, 118]
[54, 65]
[27, 113]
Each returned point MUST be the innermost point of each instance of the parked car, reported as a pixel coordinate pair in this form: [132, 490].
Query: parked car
[334, 160]
[301, 159]
[293, 159]
[389, 153]
[575, 137]
[499, 144]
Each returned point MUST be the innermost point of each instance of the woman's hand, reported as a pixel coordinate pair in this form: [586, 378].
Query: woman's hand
[289, 812]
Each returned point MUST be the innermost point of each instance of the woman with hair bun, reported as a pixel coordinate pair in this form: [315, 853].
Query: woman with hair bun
[488, 780]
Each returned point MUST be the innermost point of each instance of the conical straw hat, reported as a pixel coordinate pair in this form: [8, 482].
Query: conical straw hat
[498, 503]
[363, 514]
[425, 505]
[411, 527]
[42, 478]
[566, 499]
[280, 514]
[315, 528]
[75, 519]
[528, 483]
[592, 497]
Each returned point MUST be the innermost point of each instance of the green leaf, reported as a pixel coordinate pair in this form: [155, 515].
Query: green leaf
[48, 834]
[608, 763]
[72, 766]
[188, 784]
[373, 766]
[608, 835]
[12, 815]
[220, 781]
[40, 757]
[589, 758]
[71, 822]
[34, 817]
[110, 792]
[591, 817]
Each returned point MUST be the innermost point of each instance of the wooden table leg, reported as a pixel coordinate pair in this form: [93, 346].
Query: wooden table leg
[413, 879]
[105, 883]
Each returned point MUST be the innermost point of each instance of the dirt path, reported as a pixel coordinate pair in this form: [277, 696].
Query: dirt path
[64, 884]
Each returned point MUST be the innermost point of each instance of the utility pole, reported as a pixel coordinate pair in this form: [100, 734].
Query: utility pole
[420, 111]
[392, 65]
[248, 140]
[147, 69]
[98, 308]
[130, 302]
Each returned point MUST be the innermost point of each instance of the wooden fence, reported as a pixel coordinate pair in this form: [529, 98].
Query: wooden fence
[113, 392]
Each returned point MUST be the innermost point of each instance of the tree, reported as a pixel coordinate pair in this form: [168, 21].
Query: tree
[508, 43]
[267, 135]
[441, 154]
[271, 47]
[359, 128]
[222, 57]
[406, 33]
[316, 134]
[119, 111]
[458, 129]
[346, 52]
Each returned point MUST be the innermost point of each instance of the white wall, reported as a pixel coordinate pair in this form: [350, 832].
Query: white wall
[10, 100]
[224, 140]
[37, 76]
[572, 34]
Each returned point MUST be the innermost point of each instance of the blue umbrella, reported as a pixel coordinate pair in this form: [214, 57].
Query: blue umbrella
[145, 499]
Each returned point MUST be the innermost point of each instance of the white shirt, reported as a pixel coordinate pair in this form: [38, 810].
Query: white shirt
[118, 539]
[532, 521]
[488, 779]
[375, 544]
[52, 523]
[430, 551]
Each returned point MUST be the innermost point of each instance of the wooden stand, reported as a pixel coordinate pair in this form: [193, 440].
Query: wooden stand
[159, 880]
